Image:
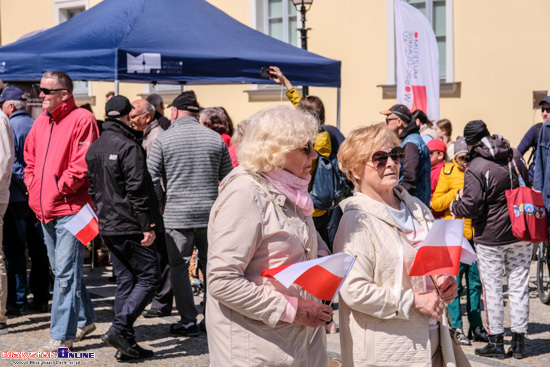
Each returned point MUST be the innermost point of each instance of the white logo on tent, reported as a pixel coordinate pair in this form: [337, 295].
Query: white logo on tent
[143, 63]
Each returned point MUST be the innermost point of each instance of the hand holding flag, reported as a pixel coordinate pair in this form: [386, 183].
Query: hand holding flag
[84, 225]
[321, 277]
[443, 249]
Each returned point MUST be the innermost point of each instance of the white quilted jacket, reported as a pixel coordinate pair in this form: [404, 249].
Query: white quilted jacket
[378, 324]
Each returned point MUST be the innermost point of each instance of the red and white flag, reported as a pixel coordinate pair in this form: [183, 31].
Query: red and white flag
[84, 225]
[417, 61]
[322, 277]
[443, 249]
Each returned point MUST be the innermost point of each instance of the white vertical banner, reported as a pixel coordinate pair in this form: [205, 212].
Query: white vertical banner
[417, 61]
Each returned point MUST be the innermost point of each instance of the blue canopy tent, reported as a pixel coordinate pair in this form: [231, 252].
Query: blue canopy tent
[164, 41]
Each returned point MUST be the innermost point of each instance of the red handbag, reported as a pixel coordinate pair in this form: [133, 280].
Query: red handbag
[526, 210]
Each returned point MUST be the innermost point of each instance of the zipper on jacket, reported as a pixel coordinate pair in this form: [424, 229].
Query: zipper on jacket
[42, 176]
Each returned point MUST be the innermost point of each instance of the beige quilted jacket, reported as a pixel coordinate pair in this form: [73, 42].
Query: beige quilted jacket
[378, 324]
[246, 234]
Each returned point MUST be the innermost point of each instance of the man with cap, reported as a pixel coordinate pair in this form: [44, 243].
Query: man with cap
[190, 160]
[483, 200]
[123, 194]
[531, 137]
[21, 230]
[414, 175]
[56, 180]
[450, 187]
[437, 159]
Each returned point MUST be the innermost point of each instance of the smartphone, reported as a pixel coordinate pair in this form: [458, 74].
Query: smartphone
[264, 73]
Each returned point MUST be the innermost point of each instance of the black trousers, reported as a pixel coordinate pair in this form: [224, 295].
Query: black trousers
[164, 298]
[137, 277]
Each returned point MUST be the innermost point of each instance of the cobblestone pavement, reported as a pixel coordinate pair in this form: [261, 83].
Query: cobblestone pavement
[30, 331]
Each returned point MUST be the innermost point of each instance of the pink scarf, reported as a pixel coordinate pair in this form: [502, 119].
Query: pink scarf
[293, 187]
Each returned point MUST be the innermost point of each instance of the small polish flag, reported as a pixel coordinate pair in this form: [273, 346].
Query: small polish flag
[84, 225]
[322, 277]
[443, 249]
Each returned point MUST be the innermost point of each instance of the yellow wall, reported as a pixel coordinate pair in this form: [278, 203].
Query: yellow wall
[499, 53]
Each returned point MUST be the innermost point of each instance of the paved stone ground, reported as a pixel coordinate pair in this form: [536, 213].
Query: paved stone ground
[30, 331]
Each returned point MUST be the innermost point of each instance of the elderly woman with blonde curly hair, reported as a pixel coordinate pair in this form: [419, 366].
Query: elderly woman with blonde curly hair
[261, 220]
[386, 317]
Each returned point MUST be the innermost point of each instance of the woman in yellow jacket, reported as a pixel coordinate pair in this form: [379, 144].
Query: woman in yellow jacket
[449, 188]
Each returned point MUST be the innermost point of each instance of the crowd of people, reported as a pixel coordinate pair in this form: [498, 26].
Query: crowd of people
[246, 198]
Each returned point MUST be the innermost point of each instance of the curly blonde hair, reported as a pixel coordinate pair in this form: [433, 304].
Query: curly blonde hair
[271, 134]
[359, 147]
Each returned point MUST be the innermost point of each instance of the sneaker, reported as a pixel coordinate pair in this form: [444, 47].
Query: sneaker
[190, 329]
[3, 328]
[460, 337]
[120, 343]
[143, 353]
[53, 345]
[81, 332]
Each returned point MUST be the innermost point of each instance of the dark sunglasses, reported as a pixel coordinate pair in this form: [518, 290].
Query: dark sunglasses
[545, 109]
[463, 158]
[380, 158]
[307, 149]
[47, 91]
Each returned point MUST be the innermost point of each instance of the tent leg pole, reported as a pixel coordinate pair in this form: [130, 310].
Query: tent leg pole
[116, 87]
[338, 110]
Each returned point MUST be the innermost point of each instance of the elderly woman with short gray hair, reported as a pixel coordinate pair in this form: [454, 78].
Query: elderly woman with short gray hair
[387, 318]
[261, 220]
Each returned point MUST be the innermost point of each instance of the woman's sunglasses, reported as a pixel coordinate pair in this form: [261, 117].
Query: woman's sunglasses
[380, 158]
[307, 149]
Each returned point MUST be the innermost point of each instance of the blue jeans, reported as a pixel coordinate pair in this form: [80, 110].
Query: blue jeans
[71, 304]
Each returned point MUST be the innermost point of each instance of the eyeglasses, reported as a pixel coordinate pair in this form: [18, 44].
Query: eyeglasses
[545, 109]
[47, 91]
[380, 158]
[307, 149]
[391, 119]
[461, 158]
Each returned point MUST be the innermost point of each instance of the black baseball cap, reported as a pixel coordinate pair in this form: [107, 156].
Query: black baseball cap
[118, 106]
[186, 102]
[400, 110]
[545, 100]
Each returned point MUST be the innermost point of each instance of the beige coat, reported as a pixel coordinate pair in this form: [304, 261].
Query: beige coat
[247, 234]
[378, 324]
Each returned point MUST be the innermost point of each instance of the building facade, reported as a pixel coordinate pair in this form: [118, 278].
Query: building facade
[492, 57]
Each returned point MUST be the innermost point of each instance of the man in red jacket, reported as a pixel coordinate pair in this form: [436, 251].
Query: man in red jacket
[56, 180]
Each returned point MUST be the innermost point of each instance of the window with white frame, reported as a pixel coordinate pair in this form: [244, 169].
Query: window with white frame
[65, 10]
[280, 20]
[440, 15]
[434, 11]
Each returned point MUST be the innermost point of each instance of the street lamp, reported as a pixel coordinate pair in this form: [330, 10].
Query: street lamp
[303, 6]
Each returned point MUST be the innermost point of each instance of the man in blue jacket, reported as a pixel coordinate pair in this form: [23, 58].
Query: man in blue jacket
[21, 226]
[414, 175]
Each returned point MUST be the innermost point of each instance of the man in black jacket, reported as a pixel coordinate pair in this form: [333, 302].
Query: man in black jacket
[483, 200]
[122, 191]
